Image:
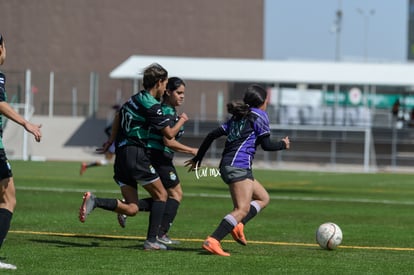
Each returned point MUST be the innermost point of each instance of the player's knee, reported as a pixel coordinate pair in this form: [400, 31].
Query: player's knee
[13, 203]
[9, 203]
[179, 193]
[176, 195]
[162, 195]
[263, 201]
[132, 210]
[266, 200]
[266, 203]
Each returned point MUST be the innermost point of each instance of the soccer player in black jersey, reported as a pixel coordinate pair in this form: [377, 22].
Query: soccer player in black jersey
[7, 189]
[130, 132]
[161, 153]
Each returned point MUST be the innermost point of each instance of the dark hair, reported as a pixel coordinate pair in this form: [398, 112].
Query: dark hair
[174, 83]
[255, 96]
[238, 109]
[152, 74]
[1, 40]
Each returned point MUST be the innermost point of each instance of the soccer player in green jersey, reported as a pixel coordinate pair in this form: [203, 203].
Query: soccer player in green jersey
[7, 189]
[161, 154]
[130, 132]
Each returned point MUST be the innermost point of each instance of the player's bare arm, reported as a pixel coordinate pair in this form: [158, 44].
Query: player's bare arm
[10, 113]
[169, 132]
[179, 147]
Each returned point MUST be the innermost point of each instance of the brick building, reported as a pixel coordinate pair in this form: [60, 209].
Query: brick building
[75, 38]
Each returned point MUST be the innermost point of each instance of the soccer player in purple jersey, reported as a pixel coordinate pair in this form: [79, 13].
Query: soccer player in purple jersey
[245, 130]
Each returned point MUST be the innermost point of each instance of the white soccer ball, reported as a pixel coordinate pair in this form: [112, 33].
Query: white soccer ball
[329, 235]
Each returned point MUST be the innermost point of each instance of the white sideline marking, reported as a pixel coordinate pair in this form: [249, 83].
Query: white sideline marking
[290, 198]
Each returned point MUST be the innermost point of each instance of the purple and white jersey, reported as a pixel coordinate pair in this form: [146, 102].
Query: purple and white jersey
[241, 139]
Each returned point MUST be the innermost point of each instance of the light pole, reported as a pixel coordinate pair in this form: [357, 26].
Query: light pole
[366, 16]
[336, 28]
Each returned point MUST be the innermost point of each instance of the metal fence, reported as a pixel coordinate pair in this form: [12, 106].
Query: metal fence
[332, 135]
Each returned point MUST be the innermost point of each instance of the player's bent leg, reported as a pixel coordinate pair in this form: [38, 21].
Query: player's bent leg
[7, 194]
[260, 195]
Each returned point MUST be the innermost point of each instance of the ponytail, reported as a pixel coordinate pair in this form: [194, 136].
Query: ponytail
[238, 109]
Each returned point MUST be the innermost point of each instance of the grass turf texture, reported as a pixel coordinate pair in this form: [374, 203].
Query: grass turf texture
[374, 212]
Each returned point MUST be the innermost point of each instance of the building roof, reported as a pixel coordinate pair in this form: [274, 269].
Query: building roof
[268, 71]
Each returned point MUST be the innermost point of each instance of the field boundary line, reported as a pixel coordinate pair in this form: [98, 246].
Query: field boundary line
[205, 195]
[59, 234]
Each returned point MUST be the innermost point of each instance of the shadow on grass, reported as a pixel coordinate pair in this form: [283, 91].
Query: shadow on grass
[64, 244]
[101, 240]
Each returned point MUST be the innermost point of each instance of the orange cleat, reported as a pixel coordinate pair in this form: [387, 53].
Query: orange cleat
[238, 234]
[213, 246]
[83, 168]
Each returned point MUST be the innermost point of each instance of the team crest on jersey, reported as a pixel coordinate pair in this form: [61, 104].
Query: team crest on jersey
[235, 129]
[173, 176]
[152, 169]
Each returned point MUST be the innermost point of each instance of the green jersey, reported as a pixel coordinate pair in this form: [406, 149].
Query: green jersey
[3, 97]
[155, 139]
[140, 113]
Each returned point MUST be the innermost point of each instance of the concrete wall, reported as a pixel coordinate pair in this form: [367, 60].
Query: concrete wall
[64, 138]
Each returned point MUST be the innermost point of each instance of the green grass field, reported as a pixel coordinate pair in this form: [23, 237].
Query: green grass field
[374, 211]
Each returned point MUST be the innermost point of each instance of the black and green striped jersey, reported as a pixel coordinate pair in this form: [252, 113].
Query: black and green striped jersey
[3, 97]
[155, 139]
[140, 113]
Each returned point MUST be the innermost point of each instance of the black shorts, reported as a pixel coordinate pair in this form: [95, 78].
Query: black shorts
[132, 166]
[5, 168]
[165, 168]
[231, 174]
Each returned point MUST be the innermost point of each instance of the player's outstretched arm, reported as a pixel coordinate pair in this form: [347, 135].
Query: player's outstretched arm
[269, 145]
[179, 147]
[11, 114]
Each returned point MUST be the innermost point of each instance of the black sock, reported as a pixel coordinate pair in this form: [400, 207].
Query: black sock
[145, 204]
[252, 213]
[171, 208]
[92, 164]
[222, 230]
[107, 204]
[155, 218]
[5, 219]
